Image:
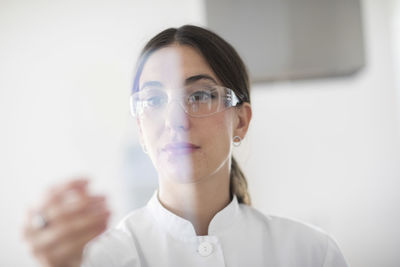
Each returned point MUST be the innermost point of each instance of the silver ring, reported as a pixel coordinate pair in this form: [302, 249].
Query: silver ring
[39, 221]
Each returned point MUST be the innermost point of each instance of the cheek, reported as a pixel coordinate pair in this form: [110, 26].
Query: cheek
[150, 134]
[216, 134]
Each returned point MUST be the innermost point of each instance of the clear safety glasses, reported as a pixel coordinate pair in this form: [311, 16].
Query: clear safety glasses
[196, 101]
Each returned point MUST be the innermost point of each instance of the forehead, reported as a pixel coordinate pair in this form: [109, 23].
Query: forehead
[173, 64]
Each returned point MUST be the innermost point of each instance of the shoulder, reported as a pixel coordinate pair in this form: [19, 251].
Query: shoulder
[282, 226]
[116, 246]
[295, 237]
[112, 248]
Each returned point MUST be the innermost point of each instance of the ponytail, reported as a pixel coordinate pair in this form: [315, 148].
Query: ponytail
[238, 183]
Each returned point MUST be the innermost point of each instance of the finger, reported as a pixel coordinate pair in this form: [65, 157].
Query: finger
[76, 245]
[66, 211]
[69, 192]
[69, 230]
[58, 193]
[70, 253]
[76, 228]
[27, 224]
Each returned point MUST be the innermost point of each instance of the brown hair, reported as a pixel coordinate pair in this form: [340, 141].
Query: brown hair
[226, 64]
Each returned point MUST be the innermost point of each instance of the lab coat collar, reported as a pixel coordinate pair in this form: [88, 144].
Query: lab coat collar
[183, 229]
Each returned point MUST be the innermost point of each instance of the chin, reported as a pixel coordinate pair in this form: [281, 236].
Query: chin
[186, 170]
[184, 176]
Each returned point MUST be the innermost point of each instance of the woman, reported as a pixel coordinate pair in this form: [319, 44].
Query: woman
[191, 102]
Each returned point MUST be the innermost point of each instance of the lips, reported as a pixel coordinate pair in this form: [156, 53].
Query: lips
[180, 147]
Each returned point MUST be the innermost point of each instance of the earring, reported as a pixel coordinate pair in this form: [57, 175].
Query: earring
[144, 148]
[237, 140]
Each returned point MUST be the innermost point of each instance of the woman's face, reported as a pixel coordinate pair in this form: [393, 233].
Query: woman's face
[184, 148]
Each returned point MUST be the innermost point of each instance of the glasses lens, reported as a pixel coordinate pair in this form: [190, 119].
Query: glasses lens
[203, 100]
[199, 101]
[148, 101]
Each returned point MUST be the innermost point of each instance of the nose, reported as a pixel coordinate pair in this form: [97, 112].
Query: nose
[175, 117]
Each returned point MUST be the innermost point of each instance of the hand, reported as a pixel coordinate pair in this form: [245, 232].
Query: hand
[72, 219]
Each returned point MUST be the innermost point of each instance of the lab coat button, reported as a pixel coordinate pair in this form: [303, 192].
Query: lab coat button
[205, 249]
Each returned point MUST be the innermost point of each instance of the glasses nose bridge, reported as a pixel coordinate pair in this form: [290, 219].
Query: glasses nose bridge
[179, 101]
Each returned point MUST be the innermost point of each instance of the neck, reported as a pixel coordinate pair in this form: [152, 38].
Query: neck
[197, 202]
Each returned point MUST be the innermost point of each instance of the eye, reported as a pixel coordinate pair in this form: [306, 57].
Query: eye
[202, 96]
[152, 99]
[155, 101]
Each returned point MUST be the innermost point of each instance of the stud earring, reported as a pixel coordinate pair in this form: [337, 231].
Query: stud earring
[144, 148]
[237, 140]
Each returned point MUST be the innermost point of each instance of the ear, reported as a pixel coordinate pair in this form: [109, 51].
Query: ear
[244, 114]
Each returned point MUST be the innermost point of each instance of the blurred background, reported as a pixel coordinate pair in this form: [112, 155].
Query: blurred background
[323, 147]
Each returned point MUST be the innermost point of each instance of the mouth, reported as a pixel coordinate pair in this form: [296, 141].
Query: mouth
[180, 148]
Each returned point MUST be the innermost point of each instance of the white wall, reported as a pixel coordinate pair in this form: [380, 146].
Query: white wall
[65, 78]
[325, 151]
[395, 30]
[328, 151]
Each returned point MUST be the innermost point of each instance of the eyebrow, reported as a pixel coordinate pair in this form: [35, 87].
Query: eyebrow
[195, 78]
[188, 81]
[151, 84]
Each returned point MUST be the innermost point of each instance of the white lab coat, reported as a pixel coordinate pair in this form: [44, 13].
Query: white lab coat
[238, 235]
